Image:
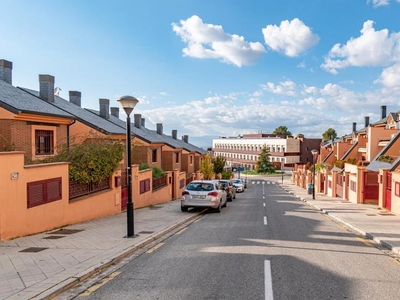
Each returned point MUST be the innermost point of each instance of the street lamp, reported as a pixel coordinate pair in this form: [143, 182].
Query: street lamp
[314, 153]
[128, 103]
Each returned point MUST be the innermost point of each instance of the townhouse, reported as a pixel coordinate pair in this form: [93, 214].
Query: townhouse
[361, 167]
[34, 124]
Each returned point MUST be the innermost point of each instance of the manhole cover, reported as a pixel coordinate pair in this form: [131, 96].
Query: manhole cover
[33, 249]
[66, 231]
[53, 237]
[146, 232]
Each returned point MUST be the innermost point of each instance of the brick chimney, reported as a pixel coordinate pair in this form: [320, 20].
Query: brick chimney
[6, 71]
[159, 128]
[185, 138]
[366, 121]
[383, 111]
[104, 108]
[354, 126]
[174, 134]
[46, 87]
[75, 98]
[115, 112]
[138, 118]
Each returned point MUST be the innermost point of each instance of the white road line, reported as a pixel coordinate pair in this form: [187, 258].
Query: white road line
[265, 221]
[268, 280]
[264, 204]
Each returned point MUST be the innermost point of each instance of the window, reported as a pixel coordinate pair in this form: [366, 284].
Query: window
[191, 159]
[44, 143]
[177, 157]
[397, 188]
[353, 186]
[43, 191]
[154, 155]
[144, 186]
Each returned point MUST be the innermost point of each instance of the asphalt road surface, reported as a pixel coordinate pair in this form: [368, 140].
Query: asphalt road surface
[266, 244]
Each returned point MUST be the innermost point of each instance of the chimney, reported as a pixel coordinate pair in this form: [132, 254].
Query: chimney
[366, 121]
[159, 128]
[185, 138]
[143, 122]
[6, 71]
[138, 117]
[104, 108]
[115, 112]
[383, 111]
[46, 86]
[354, 126]
[174, 134]
[75, 98]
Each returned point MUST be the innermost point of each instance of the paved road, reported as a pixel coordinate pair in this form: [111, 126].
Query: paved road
[264, 245]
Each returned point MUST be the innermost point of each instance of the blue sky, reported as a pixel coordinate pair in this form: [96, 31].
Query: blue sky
[215, 67]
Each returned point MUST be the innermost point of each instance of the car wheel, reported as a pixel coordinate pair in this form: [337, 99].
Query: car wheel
[184, 208]
[218, 209]
[226, 202]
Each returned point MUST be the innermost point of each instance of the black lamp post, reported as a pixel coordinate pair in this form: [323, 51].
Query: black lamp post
[314, 153]
[128, 103]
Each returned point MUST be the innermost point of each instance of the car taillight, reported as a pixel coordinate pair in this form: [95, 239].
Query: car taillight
[214, 194]
[185, 193]
[228, 188]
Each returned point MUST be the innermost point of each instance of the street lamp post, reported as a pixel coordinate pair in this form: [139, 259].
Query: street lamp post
[314, 153]
[128, 103]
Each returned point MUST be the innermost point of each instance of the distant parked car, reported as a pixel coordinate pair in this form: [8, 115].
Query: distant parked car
[229, 188]
[238, 184]
[204, 193]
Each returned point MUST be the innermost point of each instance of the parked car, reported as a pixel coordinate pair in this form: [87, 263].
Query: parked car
[238, 184]
[204, 193]
[229, 188]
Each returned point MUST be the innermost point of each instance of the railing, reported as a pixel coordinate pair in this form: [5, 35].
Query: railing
[159, 182]
[77, 190]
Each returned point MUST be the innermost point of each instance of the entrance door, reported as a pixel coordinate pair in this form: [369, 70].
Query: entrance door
[388, 193]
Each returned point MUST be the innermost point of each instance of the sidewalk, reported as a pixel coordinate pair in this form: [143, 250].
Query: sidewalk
[42, 265]
[367, 220]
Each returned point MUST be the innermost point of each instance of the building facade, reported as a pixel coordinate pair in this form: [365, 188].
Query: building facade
[244, 150]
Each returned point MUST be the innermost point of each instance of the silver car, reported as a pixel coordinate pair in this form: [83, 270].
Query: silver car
[204, 193]
[238, 184]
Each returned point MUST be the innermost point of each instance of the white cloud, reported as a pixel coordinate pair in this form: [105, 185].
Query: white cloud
[390, 77]
[372, 48]
[287, 87]
[377, 3]
[291, 38]
[210, 41]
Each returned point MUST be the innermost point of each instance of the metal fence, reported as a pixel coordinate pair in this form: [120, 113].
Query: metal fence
[77, 190]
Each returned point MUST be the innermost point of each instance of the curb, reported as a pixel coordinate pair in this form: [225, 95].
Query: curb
[70, 282]
[349, 226]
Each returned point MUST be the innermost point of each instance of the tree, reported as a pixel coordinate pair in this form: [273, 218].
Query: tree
[300, 135]
[329, 134]
[206, 167]
[263, 163]
[282, 130]
[218, 163]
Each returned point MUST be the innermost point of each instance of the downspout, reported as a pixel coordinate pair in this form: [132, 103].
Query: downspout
[68, 144]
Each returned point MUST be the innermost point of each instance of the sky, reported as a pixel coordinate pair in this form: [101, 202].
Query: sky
[214, 68]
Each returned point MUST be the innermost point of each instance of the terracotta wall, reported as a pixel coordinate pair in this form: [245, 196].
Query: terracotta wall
[18, 220]
[395, 199]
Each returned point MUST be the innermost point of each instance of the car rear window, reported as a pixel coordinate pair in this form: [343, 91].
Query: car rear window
[196, 186]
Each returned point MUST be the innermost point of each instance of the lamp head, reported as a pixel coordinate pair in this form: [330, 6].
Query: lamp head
[128, 103]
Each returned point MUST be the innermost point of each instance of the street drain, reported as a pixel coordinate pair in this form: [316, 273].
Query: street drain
[155, 207]
[371, 215]
[386, 215]
[53, 237]
[33, 249]
[66, 231]
[146, 232]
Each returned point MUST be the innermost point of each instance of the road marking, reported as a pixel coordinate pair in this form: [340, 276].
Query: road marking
[265, 221]
[151, 250]
[268, 280]
[264, 204]
[99, 285]
[182, 230]
[364, 241]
